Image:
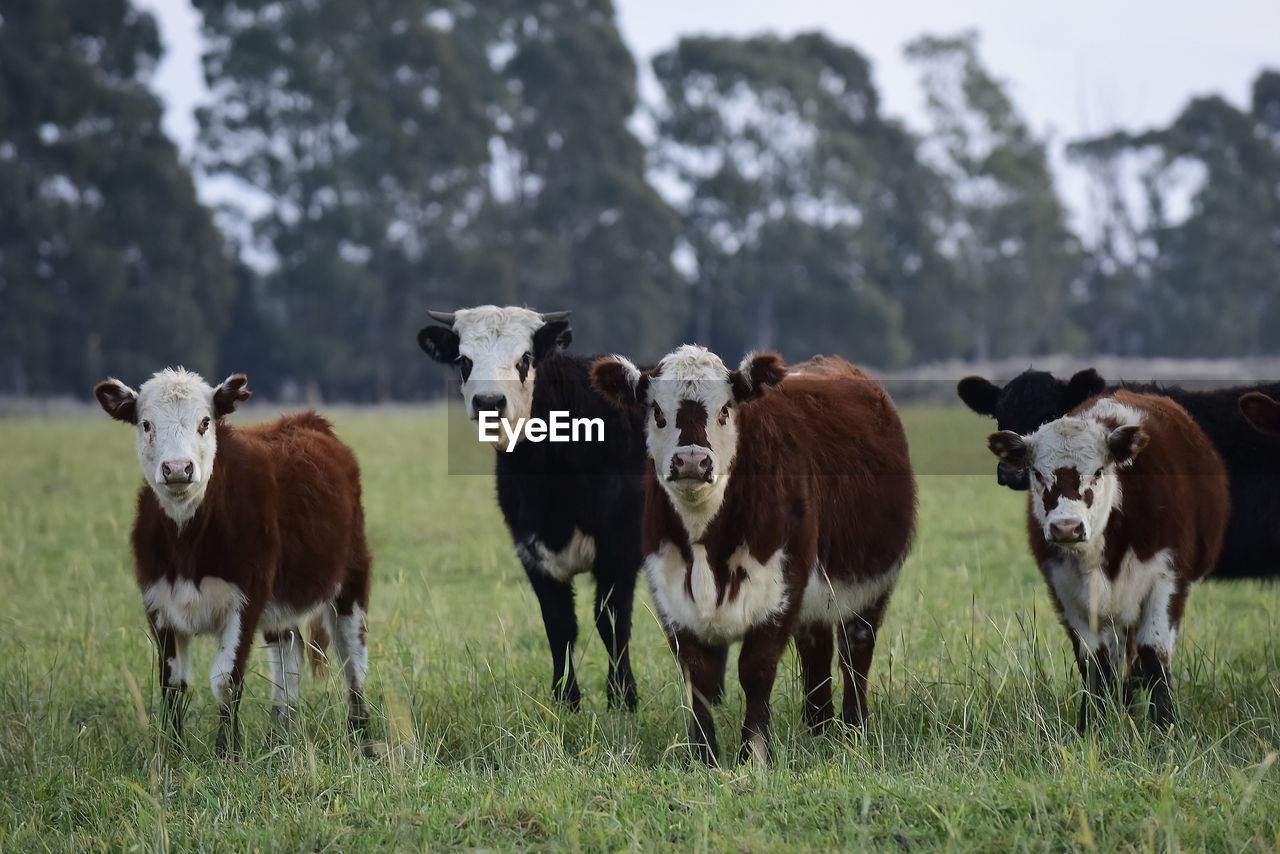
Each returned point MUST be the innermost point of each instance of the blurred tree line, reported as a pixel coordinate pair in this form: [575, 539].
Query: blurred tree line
[399, 155]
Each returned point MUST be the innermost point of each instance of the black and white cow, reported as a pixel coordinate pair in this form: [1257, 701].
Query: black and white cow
[1252, 545]
[570, 507]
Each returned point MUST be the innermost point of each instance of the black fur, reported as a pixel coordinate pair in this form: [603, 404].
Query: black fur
[546, 490]
[1252, 545]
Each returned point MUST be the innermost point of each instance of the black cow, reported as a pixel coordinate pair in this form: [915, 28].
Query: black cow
[1252, 545]
[570, 507]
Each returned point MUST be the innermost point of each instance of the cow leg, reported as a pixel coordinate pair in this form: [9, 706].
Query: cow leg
[345, 623]
[1100, 657]
[226, 677]
[555, 598]
[857, 637]
[762, 649]
[721, 666]
[814, 647]
[703, 671]
[284, 652]
[1157, 631]
[613, 622]
[175, 673]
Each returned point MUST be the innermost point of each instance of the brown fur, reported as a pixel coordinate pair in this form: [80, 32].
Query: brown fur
[281, 520]
[1175, 495]
[822, 470]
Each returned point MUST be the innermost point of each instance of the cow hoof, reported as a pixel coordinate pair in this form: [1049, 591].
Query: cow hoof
[571, 697]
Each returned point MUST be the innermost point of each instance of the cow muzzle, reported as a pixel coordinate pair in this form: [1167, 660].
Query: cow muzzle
[692, 464]
[1067, 531]
[177, 473]
[496, 403]
[1018, 479]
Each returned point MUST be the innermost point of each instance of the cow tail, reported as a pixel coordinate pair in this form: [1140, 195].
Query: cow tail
[317, 646]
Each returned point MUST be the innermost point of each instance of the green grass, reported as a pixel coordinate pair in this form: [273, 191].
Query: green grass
[970, 746]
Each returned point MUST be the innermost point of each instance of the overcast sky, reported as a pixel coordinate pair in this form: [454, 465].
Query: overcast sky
[1073, 69]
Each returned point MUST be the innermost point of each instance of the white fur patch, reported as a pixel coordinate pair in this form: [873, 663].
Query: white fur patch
[347, 632]
[692, 373]
[285, 659]
[495, 339]
[1078, 443]
[828, 601]
[578, 556]
[1100, 610]
[192, 610]
[277, 617]
[179, 666]
[171, 407]
[761, 595]
[224, 663]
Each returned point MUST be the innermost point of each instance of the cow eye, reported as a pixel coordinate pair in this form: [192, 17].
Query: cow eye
[204, 425]
[724, 414]
[527, 360]
[658, 418]
[1097, 474]
[146, 426]
[464, 367]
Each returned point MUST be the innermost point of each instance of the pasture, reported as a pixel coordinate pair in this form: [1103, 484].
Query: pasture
[971, 743]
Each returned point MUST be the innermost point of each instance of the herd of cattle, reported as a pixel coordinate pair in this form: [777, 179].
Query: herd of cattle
[764, 503]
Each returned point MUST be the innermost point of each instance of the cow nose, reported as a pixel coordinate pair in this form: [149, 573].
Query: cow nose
[1070, 531]
[691, 464]
[1013, 477]
[489, 403]
[177, 471]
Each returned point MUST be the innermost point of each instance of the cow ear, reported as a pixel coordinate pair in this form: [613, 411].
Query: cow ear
[620, 382]
[1261, 411]
[979, 394]
[757, 371]
[120, 401]
[230, 394]
[440, 343]
[1126, 442]
[1082, 386]
[552, 335]
[1010, 448]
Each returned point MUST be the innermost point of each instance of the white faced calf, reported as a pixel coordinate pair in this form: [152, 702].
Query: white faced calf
[241, 530]
[1128, 506]
[769, 513]
[496, 350]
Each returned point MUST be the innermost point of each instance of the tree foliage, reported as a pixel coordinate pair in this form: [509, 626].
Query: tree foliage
[108, 262]
[1012, 253]
[400, 155]
[806, 211]
[1199, 250]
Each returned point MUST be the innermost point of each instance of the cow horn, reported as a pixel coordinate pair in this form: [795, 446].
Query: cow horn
[549, 316]
[445, 317]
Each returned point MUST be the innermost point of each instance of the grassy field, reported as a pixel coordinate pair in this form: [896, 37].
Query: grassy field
[970, 745]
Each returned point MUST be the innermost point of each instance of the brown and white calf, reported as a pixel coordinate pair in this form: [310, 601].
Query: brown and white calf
[774, 508]
[238, 530]
[1128, 507]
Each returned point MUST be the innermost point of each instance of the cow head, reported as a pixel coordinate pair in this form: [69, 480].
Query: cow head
[1260, 411]
[1028, 400]
[496, 351]
[174, 414]
[691, 426]
[1072, 466]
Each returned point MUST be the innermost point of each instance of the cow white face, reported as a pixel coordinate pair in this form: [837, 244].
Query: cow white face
[691, 429]
[174, 413]
[496, 351]
[1072, 464]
